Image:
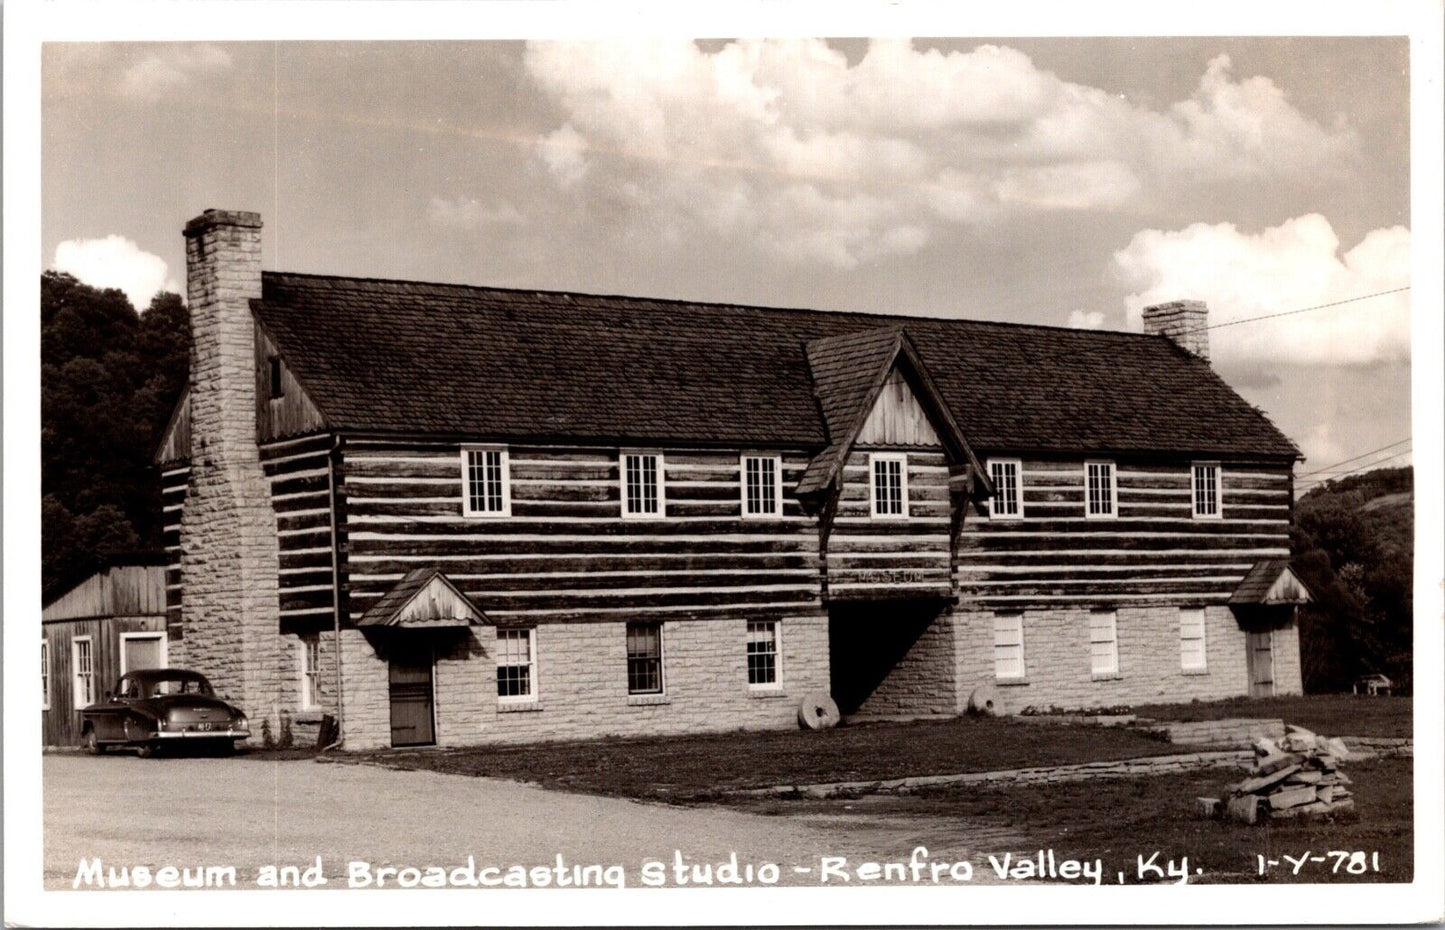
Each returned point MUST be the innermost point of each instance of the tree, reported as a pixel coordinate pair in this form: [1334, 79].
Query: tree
[109, 378]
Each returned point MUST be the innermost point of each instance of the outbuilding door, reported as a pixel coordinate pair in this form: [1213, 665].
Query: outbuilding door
[411, 697]
[1261, 662]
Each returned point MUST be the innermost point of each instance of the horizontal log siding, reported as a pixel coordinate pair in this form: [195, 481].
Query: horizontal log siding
[565, 553]
[296, 470]
[1155, 551]
[174, 480]
[871, 557]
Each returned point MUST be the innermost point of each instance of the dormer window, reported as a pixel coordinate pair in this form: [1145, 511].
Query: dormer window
[486, 482]
[889, 473]
[643, 495]
[276, 387]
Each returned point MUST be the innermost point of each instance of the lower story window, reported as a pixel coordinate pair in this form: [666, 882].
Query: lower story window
[644, 658]
[80, 660]
[310, 672]
[762, 653]
[1103, 644]
[1008, 647]
[516, 659]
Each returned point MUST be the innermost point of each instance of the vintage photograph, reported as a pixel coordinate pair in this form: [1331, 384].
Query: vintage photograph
[749, 462]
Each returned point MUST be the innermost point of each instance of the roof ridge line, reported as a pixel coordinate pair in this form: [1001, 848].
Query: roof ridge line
[874, 314]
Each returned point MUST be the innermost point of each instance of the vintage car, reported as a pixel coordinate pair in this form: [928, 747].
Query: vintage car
[162, 705]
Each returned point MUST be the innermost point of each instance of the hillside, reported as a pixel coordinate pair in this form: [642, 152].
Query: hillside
[1354, 545]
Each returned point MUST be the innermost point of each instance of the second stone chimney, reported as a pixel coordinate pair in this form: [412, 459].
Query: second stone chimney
[1183, 321]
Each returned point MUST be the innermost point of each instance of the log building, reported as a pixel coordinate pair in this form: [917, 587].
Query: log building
[455, 515]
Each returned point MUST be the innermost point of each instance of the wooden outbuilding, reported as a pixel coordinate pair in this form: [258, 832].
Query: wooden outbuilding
[111, 623]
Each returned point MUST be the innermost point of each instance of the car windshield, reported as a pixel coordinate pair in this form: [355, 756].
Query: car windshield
[180, 684]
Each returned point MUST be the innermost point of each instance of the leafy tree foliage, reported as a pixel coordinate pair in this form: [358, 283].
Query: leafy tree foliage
[1354, 543]
[109, 378]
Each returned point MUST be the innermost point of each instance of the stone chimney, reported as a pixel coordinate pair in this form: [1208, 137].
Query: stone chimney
[1184, 321]
[229, 608]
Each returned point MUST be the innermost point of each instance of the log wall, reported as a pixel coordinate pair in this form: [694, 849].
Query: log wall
[1154, 551]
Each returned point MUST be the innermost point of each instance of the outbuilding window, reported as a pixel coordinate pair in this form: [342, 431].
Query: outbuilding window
[1192, 654]
[486, 482]
[275, 383]
[1101, 488]
[1007, 500]
[81, 663]
[1103, 644]
[44, 675]
[1008, 647]
[644, 658]
[889, 472]
[642, 489]
[762, 491]
[516, 665]
[763, 654]
[1206, 490]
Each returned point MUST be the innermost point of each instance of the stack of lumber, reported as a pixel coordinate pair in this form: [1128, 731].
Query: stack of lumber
[1295, 775]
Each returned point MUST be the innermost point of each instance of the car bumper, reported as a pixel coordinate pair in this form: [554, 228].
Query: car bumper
[203, 734]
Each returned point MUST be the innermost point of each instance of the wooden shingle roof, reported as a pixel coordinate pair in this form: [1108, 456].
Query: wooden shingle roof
[449, 360]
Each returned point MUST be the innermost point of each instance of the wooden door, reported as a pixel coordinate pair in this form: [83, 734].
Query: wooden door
[411, 697]
[1261, 663]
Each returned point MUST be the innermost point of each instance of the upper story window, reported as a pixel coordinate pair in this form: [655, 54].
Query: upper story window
[276, 386]
[889, 479]
[1007, 501]
[762, 489]
[643, 494]
[1101, 489]
[486, 482]
[1205, 484]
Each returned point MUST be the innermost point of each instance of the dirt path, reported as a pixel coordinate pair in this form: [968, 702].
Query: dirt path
[247, 813]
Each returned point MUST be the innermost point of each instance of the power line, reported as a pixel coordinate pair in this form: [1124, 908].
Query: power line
[1311, 485]
[1347, 461]
[1270, 316]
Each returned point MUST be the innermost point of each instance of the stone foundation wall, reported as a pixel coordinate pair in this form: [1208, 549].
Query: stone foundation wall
[1056, 659]
[581, 684]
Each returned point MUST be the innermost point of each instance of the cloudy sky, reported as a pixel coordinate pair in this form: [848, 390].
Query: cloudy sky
[1067, 182]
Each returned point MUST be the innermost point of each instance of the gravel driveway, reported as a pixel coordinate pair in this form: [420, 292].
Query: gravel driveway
[248, 813]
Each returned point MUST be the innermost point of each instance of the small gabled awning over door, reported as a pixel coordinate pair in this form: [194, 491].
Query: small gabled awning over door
[1270, 582]
[423, 599]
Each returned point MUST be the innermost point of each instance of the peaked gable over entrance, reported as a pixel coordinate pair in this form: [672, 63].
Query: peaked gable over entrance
[850, 375]
[1270, 582]
[423, 598]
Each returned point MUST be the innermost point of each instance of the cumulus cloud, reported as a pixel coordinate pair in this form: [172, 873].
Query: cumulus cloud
[1086, 319]
[171, 67]
[463, 213]
[894, 144]
[1287, 267]
[117, 262]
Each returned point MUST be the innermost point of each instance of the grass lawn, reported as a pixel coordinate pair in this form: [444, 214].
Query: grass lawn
[691, 768]
[1118, 819]
[1328, 714]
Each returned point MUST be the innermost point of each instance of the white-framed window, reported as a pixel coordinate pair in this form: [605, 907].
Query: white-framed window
[888, 474]
[310, 672]
[1101, 490]
[1103, 644]
[516, 665]
[1205, 486]
[1008, 647]
[1192, 653]
[643, 493]
[82, 666]
[142, 650]
[1007, 502]
[486, 482]
[764, 655]
[762, 486]
[44, 674]
[644, 658]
